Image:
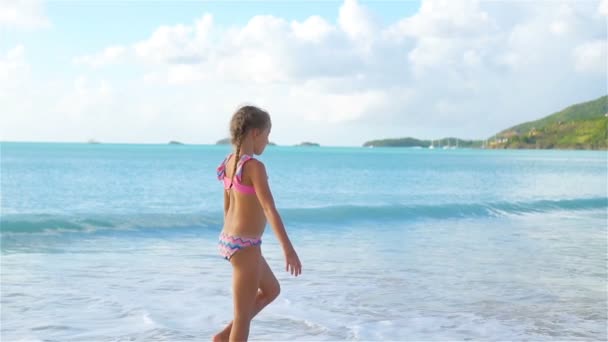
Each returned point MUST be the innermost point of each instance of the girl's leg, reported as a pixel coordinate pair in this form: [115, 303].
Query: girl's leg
[269, 291]
[245, 280]
[269, 287]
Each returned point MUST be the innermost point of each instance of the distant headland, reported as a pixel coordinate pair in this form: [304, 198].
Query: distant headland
[413, 142]
[582, 126]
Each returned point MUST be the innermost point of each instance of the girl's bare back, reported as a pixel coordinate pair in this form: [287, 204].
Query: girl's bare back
[245, 216]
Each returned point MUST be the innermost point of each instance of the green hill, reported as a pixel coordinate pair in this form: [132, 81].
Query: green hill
[580, 126]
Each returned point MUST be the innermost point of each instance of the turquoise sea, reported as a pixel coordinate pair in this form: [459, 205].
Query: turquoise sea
[117, 242]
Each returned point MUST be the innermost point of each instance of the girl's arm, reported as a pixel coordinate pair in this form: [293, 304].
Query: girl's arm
[226, 202]
[259, 179]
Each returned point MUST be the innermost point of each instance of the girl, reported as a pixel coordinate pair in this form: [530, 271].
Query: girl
[248, 203]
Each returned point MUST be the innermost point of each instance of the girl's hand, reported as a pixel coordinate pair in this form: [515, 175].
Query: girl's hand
[292, 263]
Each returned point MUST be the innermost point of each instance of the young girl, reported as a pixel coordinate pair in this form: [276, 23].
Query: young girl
[248, 203]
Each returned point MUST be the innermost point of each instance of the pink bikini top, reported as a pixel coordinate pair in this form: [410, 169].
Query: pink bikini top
[236, 184]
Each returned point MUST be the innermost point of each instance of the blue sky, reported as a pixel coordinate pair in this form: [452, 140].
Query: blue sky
[335, 72]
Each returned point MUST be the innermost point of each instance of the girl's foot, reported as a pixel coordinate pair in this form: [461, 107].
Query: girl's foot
[224, 335]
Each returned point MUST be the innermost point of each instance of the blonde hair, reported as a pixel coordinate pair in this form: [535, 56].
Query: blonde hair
[243, 120]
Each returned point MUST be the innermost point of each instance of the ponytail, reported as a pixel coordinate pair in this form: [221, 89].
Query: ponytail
[237, 158]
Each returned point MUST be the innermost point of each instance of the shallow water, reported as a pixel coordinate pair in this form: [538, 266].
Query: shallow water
[117, 242]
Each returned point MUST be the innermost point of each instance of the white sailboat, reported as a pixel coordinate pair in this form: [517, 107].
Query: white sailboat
[447, 147]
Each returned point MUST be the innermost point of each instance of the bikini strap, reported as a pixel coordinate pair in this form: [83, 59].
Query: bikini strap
[221, 170]
[239, 166]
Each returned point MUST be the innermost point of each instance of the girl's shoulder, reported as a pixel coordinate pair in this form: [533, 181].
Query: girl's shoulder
[251, 162]
[255, 167]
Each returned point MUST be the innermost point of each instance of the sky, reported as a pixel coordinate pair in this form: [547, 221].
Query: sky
[338, 73]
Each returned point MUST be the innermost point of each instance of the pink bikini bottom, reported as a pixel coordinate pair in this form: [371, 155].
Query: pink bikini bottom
[228, 244]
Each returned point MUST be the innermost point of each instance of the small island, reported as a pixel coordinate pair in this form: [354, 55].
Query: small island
[308, 144]
[173, 142]
[226, 141]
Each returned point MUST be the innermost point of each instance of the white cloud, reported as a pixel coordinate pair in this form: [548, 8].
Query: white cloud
[314, 29]
[559, 27]
[603, 8]
[109, 55]
[259, 52]
[14, 69]
[86, 100]
[176, 44]
[261, 30]
[356, 21]
[165, 44]
[12, 62]
[23, 14]
[266, 49]
[444, 33]
[592, 56]
[315, 104]
[446, 18]
[23, 97]
[184, 74]
[471, 58]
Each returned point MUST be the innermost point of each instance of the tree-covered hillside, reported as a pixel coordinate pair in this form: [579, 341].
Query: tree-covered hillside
[581, 126]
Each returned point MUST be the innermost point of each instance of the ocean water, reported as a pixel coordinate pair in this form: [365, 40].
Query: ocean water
[117, 242]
